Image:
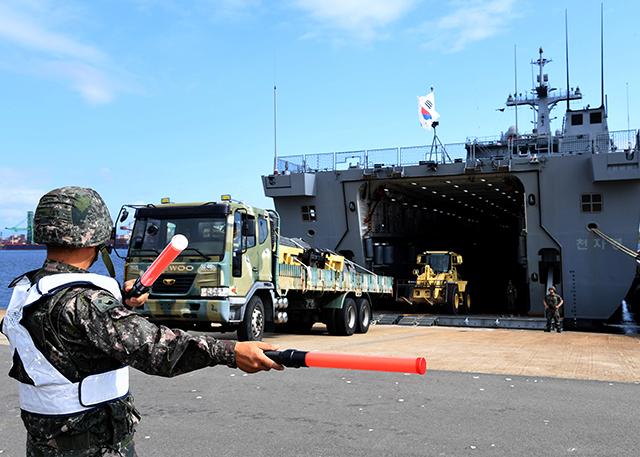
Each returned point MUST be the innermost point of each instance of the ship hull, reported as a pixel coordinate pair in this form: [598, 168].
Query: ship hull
[22, 247]
[526, 222]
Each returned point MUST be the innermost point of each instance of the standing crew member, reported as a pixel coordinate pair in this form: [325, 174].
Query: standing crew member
[552, 304]
[72, 338]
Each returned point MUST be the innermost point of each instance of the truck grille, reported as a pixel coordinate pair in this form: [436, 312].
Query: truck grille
[172, 285]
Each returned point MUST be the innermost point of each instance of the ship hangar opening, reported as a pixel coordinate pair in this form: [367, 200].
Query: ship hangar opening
[480, 217]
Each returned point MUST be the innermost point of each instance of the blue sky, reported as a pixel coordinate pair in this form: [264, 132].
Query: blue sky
[142, 99]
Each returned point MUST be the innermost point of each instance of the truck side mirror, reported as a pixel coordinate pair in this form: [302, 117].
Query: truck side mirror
[416, 272]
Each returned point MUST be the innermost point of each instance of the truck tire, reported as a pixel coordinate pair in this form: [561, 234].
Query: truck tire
[453, 298]
[252, 326]
[346, 318]
[466, 303]
[364, 315]
[328, 317]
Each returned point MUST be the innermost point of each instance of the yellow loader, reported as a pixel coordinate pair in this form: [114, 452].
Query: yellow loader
[438, 284]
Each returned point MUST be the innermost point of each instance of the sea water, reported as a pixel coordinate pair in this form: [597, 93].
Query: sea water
[15, 263]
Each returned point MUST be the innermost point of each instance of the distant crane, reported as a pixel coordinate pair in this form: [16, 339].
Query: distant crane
[28, 228]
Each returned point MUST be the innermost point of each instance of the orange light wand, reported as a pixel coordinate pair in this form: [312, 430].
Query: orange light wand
[296, 359]
[142, 285]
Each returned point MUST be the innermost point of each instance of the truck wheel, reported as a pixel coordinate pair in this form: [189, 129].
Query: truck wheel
[364, 315]
[456, 305]
[346, 318]
[328, 317]
[453, 298]
[252, 326]
[466, 302]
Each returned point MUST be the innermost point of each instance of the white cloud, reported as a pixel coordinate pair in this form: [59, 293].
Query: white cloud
[362, 18]
[94, 86]
[54, 54]
[21, 30]
[471, 21]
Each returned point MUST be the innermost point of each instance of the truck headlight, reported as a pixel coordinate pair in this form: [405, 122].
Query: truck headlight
[207, 268]
[214, 291]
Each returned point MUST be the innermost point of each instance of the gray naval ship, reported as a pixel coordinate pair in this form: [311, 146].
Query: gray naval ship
[538, 209]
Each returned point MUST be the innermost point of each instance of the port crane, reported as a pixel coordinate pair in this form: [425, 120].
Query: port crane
[28, 228]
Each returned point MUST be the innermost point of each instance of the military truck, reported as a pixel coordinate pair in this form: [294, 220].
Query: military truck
[438, 284]
[239, 272]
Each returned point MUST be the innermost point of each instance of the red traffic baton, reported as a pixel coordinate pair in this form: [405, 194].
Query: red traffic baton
[293, 358]
[142, 285]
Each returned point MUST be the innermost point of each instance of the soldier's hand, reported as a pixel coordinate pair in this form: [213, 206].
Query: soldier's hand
[251, 359]
[134, 302]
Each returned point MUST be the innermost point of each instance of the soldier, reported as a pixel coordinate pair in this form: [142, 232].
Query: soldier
[72, 338]
[552, 304]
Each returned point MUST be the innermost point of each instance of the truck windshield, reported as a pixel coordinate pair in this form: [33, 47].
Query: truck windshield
[206, 235]
[439, 263]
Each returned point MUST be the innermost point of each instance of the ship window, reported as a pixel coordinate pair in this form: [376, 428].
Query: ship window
[576, 119]
[591, 203]
[595, 117]
[309, 213]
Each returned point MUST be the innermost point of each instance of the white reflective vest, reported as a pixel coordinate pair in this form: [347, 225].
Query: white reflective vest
[52, 393]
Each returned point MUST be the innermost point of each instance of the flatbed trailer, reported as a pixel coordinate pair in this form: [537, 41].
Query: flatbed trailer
[240, 273]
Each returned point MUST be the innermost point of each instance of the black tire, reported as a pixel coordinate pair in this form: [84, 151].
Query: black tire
[252, 326]
[328, 317]
[453, 298]
[364, 315]
[346, 318]
[466, 302]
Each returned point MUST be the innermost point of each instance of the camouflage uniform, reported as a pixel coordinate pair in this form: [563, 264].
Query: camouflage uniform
[552, 312]
[85, 330]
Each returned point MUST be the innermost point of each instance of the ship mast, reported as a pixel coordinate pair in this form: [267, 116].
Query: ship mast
[542, 101]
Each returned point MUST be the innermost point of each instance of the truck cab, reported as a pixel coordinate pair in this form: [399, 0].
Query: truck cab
[227, 267]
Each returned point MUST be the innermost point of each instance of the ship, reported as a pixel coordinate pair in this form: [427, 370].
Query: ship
[21, 246]
[539, 209]
[20, 243]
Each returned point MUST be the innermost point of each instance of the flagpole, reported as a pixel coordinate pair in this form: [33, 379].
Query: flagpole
[434, 124]
[275, 132]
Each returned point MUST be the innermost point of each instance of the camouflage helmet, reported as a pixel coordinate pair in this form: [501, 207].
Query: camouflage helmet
[72, 216]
